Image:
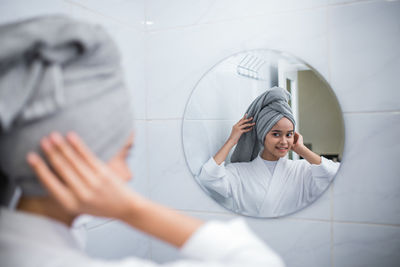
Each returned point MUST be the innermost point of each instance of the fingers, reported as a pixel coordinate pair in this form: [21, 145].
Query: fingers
[245, 125]
[50, 181]
[73, 159]
[84, 152]
[63, 168]
[247, 130]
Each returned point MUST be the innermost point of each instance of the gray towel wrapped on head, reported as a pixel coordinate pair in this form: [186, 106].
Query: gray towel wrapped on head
[58, 74]
[267, 109]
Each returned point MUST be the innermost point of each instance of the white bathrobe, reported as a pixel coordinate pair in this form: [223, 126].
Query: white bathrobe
[249, 188]
[30, 240]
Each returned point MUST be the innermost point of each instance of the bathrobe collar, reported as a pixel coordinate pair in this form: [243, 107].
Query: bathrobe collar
[272, 180]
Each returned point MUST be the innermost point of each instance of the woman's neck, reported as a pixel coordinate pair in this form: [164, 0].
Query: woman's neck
[47, 207]
[268, 156]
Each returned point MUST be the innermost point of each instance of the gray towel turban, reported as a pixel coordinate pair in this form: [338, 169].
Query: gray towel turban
[267, 109]
[58, 74]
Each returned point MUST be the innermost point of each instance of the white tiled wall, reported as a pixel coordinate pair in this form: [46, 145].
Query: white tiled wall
[168, 45]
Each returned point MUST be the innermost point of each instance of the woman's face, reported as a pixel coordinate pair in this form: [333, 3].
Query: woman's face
[119, 162]
[279, 140]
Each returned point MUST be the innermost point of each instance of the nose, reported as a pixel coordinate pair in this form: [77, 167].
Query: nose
[283, 140]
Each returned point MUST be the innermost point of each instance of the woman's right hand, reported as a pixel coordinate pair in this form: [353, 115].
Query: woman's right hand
[244, 125]
[85, 184]
[82, 183]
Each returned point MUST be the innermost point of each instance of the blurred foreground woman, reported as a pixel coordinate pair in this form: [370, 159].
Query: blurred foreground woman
[64, 109]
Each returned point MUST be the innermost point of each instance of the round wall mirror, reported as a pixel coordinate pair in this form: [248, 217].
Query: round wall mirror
[263, 133]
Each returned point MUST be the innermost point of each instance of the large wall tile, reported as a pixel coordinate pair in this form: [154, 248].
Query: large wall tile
[116, 240]
[170, 181]
[299, 242]
[13, 10]
[130, 13]
[367, 186]
[358, 245]
[177, 59]
[131, 44]
[365, 56]
[177, 13]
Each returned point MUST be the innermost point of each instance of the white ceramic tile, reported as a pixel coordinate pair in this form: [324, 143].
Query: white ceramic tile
[12, 10]
[367, 185]
[116, 240]
[175, 13]
[299, 242]
[170, 181]
[130, 13]
[357, 245]
[364, 55]
[178, 58]
[131, 44]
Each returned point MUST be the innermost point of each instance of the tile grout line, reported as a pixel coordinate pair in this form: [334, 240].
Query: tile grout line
[290, 218]
[372, 112]
[146, 115]
[122, 23]
[328, 30]
[263, 15]
[100, 224]
[367, 223]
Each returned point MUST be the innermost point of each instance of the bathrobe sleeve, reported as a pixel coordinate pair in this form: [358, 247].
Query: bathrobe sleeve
[320, 178]
[217, 178]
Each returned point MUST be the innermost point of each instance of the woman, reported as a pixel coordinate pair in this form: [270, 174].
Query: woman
[71, 85]
[260, 181]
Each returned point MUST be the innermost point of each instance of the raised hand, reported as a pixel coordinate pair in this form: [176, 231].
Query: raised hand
[82, 183]
[244, 125]
[299, 147]
[298, 144]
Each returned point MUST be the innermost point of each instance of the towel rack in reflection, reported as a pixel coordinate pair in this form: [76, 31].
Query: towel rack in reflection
[249, 67]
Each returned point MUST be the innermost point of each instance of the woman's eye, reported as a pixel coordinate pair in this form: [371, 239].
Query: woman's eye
[275, 134]
[289, 134]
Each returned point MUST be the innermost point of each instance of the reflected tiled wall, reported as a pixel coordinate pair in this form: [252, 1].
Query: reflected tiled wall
[168, 45]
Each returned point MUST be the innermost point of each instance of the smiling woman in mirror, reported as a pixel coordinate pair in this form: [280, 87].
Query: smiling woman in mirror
[261, 180]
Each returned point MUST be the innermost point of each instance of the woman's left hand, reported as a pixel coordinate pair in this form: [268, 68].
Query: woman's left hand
[298, 144]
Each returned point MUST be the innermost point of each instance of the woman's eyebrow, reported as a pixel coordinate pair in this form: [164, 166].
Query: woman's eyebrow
[279, 131]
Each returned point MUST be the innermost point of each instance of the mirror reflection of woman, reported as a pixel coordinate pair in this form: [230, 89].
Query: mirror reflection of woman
[261, 181]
